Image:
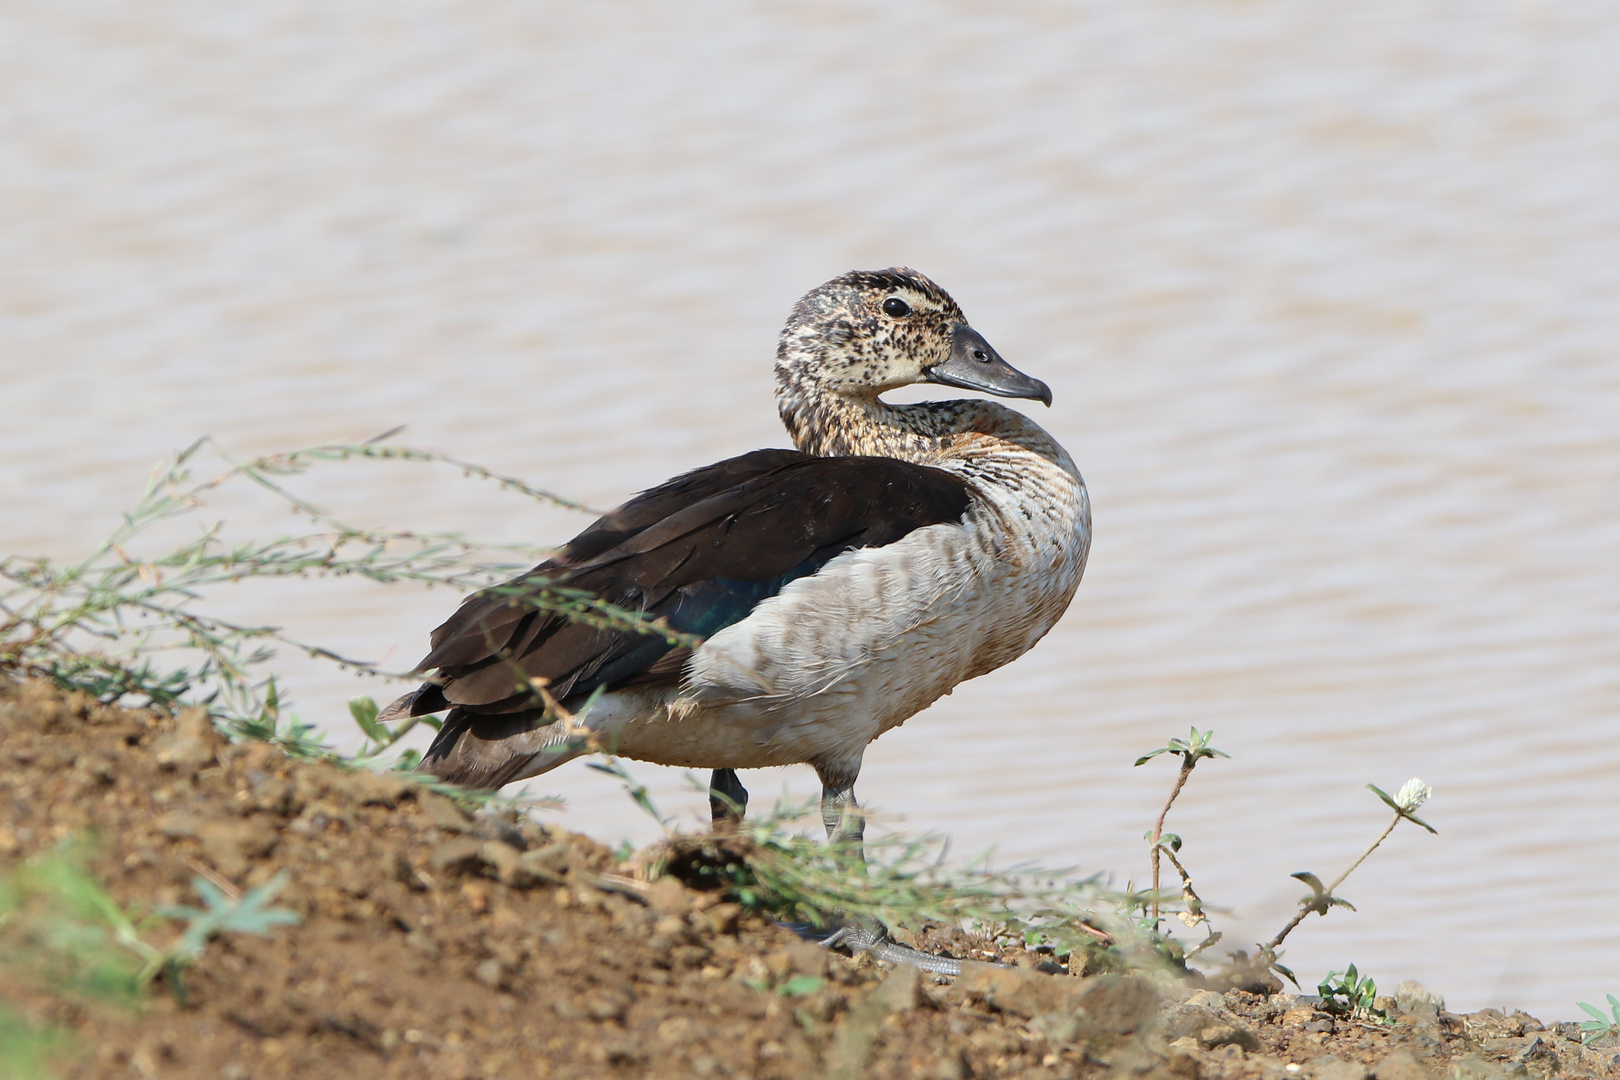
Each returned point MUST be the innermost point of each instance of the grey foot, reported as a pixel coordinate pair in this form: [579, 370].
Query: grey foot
[862, 935]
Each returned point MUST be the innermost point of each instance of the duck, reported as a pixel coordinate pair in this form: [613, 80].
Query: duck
[818, 596]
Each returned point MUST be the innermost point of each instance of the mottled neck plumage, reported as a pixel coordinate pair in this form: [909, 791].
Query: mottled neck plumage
[830, 424]
[836, 425]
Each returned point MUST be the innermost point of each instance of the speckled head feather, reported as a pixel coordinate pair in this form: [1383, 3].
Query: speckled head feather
[869, 331]
[841, 338]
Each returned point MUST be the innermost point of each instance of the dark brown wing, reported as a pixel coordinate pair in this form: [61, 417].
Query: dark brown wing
[485, 621]
[702, 551]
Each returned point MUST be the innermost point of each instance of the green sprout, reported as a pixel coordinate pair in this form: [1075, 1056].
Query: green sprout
[249, 913]
[1191, 750]
[1600, 1025]
[1348, 993]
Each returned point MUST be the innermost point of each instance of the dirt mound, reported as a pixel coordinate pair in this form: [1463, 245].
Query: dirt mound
[436, 944]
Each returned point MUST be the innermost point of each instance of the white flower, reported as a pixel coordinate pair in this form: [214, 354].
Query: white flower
[1413, 794]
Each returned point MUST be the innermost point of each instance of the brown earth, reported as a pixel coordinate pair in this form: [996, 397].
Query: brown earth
[438, 945]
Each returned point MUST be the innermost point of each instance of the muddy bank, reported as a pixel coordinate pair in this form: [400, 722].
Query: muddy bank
[441, 945]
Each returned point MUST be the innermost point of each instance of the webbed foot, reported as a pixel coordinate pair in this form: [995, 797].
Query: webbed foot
[870, 935]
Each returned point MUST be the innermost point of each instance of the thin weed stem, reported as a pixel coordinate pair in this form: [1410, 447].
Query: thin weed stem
[1188, 763]
[1193, 749]
[1394, 821]
[1322, 899]
[1299, 916]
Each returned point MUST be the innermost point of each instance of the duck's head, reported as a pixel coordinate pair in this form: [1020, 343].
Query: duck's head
[869, 331]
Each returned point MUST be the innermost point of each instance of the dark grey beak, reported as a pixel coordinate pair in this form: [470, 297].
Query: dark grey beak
[974, 365]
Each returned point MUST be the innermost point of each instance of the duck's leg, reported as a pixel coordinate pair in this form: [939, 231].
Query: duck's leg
[728, 799]
[839, 811]
[842, 816]
[846, 826]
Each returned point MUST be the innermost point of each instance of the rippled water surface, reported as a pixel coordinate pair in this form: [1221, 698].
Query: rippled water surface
[1327, 298]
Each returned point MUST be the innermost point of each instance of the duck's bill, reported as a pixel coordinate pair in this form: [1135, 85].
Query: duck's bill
[974, 365]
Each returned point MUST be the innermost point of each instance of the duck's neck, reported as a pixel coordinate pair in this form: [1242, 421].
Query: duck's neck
[929, 433]
[835, 425]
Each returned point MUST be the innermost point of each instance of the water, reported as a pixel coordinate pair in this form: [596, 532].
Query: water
[1326, 298]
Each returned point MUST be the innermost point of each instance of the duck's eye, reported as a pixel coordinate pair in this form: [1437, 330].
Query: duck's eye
[896, 307]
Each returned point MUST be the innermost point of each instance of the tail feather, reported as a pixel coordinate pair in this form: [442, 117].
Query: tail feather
[482, 751]
[427, 698]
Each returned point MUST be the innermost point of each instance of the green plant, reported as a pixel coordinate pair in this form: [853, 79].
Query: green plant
[58, 923]
[1192, 750]
[1168, 845]
[800, 986]
[300, 740]
[248, 913]
[1600, 1025]
[1348, 993]
[127, 623]
[1413, 794]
